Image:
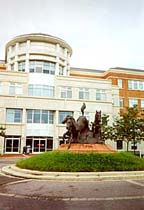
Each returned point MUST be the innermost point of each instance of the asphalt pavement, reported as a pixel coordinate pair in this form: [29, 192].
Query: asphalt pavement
[29, 194]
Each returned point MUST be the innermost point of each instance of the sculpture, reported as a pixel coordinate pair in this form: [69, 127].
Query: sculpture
[79, 132]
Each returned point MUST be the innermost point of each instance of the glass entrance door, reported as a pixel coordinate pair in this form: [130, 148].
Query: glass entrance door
[12, 145]
[39, 145]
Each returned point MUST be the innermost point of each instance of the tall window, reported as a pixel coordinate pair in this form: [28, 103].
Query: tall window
[66, 92]
[120, 83]
[41, 90]
[84, 93]
[61, 70]
[63, 114]
[142, 103]
[12, 67]
[15, 89]
[40, 116]
[101, 95]
[133, 102]
[14, 115]
[21, 66]
[42, 67]
[135, 85]
[121, 102]
[119, 144]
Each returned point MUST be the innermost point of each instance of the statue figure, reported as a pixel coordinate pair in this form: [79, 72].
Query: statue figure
[72, 130]
[83, 108]
[79, 132]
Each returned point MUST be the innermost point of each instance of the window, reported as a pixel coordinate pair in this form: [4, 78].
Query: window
[63, 114]
[120, 83]
[84, 93]
[21, 66]
[12, 67]
[22, 45]
[41, 90]
[40, 116]
[15, 89]
[121, 102]
[42, 67]
[119, 144]
[61, 70]
[135, 85]
[101, 95]
[142, 103]
[66, 92]
[14, 115]
[133, 102]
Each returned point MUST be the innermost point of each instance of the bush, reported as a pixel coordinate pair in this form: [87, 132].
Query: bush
[86, 162]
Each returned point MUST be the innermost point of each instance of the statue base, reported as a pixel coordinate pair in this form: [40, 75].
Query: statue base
[85, 148]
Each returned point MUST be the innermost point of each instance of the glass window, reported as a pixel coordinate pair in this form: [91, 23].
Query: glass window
[15, 89]
[29, 116]
[42, 67]
[14, 115]
[135, 85]
[36, 117]
[119, 144]
[84, 93]
[63, 114]
[133, 102]
[101, 95]
[12, 67]
[40, 116]
[21, 66]
[66, 92]
[142, 103]
[41, 90]
[120, 83]
[121, 102]
[61, 70]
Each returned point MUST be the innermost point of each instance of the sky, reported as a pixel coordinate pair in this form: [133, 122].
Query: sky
[102, 33]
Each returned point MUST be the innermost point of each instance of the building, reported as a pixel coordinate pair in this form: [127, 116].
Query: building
[129, 81]
[38, 88]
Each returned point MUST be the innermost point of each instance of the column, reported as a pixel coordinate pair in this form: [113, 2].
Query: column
[27, 56]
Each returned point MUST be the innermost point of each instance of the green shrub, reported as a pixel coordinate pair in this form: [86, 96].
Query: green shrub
[88, 162]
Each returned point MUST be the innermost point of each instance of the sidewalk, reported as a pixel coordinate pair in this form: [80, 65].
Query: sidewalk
[72, 176]
[15, 155]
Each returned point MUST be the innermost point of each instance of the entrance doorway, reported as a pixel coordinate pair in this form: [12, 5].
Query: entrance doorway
[39, 145]
[12, 145]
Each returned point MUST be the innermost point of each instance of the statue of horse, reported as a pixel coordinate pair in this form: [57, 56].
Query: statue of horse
[96, 128]
[72, 130]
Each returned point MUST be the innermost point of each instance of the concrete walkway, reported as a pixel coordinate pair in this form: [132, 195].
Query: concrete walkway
[72, 176]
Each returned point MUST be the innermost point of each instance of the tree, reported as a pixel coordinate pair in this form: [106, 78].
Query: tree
[106, 130]
[129, 127]
[2, 131]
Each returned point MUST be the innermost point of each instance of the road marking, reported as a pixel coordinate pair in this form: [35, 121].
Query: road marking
[17, 182]
[135, 183]
[72, 199]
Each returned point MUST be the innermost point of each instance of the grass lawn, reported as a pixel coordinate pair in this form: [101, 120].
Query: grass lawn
[88, 162]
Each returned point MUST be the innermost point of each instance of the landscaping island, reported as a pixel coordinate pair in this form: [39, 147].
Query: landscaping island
[57, 161]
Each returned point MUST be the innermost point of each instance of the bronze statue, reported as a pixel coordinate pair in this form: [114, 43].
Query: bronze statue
[83, 108]
[79, 131]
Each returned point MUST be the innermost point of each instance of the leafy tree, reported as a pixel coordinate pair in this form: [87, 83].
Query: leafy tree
[2, 131]
[129, 127]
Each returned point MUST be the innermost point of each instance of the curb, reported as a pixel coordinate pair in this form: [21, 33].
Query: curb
[72, 176]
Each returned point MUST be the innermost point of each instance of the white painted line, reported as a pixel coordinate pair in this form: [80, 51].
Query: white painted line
[19, 181]
[135, 183]
[72, 199]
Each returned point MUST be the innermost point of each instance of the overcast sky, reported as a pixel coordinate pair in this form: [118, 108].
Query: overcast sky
[102, 33]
